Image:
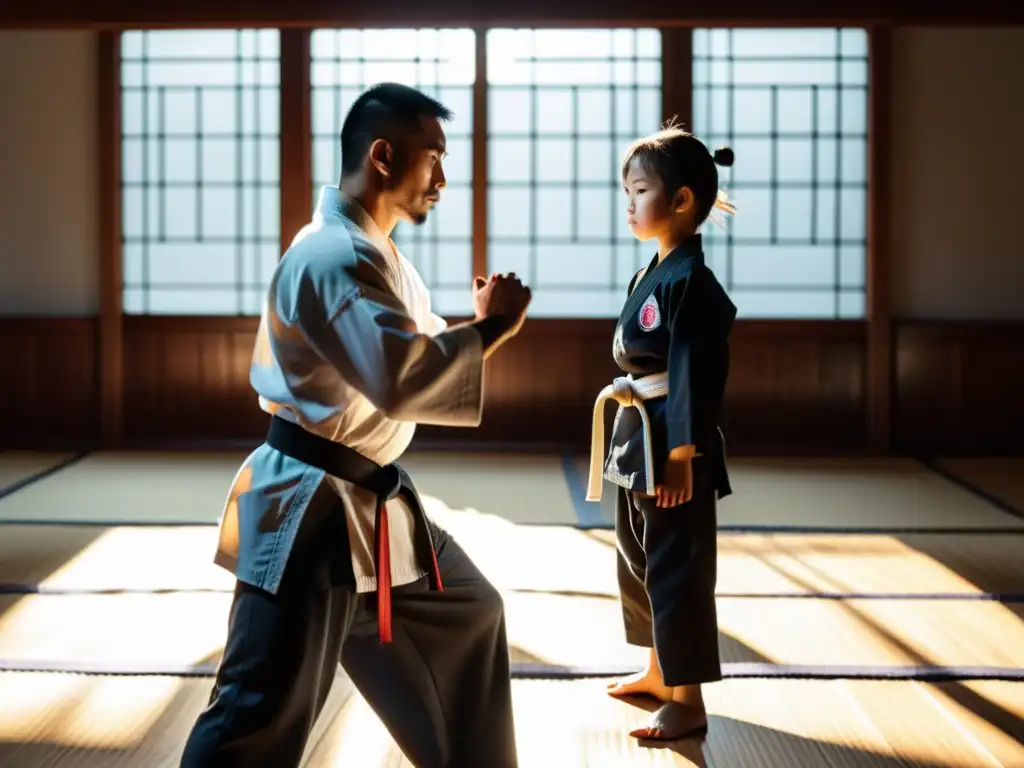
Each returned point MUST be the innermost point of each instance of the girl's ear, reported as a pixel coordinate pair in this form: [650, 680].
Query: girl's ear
[684, 200]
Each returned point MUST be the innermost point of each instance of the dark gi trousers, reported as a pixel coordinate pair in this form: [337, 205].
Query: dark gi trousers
[667, 572]
[442, 686]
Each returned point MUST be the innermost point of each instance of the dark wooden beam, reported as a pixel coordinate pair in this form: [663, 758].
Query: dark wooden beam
[121, 14]
[110, 361]
[480, 138]
[677, 75]
[878, 347]
[296, 135]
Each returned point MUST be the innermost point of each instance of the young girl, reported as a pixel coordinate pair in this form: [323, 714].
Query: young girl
[666, 461]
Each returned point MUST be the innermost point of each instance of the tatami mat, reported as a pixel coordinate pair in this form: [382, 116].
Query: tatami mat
[846, 493]
[176, 630]
[961, 564]
[753, 724]
[190, 488]
[521, 488]
[912, 600]
[54, 720]
[48, 720]
[546, 629]
[864, 493]
[90, 558]
[85, 557]
[584, 561]
[183, 488]
[18, 466]
[967, 565]
[1001, 477]
[130, 487]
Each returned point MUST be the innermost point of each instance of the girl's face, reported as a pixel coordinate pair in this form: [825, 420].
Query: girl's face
[648, 210]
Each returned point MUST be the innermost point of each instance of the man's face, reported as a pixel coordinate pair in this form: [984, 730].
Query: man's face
[422, 177]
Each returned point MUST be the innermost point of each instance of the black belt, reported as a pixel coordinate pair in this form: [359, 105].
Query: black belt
[387, 482]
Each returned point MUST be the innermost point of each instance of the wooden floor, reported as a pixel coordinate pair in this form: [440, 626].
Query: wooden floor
[871, 612]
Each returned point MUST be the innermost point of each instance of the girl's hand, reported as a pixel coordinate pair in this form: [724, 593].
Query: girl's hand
[678, 486]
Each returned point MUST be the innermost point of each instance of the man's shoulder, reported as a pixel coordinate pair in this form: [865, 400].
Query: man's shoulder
[322, 250]
[319, 263]
[321, 243]
[332, 241]
[335, 259]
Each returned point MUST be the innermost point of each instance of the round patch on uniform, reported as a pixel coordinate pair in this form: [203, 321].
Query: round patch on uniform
[650, 315]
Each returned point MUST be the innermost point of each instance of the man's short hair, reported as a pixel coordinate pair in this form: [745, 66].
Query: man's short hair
[382, 112]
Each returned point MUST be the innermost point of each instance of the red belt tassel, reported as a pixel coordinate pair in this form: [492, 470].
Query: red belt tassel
[383, 573]
[437, 570]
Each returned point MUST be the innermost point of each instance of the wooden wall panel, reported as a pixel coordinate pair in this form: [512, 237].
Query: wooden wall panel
[49, 384]
[958, 387]
[540, 387]
[188, 379]
[794, 387]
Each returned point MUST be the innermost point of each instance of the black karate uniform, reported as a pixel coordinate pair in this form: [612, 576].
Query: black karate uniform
[677, 318]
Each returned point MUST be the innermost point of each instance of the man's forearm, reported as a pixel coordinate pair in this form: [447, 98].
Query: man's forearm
[492, 332]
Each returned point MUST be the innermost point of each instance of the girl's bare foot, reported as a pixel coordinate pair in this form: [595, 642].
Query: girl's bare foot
[673, 722]
[684, 718]
[648, 682]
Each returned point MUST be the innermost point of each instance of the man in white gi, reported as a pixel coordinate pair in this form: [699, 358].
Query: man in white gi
[348, 358]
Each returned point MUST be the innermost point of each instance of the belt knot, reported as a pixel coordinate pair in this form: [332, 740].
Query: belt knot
[623, 392]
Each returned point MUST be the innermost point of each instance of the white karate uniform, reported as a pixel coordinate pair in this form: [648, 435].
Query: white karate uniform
[349, 348]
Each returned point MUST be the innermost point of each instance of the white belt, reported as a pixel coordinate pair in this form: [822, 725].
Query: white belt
[628, 392]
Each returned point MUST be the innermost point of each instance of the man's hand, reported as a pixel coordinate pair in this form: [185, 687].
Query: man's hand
[678, 486]
[502, 296]
[479, 305]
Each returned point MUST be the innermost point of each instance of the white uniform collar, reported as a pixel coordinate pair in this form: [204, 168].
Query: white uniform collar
[333, 202]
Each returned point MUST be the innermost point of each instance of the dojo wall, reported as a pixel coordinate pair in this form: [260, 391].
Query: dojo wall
[955, 276]
[49, 285]
[957, 257]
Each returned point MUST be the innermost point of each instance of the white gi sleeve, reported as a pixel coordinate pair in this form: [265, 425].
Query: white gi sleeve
[437, 324]
[369, 337]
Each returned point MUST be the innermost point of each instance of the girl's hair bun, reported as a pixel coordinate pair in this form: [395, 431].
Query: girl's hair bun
[724, 157]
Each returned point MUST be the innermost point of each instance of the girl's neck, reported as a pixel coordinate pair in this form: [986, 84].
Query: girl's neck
[670, 242]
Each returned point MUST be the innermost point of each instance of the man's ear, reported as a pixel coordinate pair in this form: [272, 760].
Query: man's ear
[382, 157]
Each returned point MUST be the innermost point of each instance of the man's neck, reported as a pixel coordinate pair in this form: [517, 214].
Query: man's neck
[375, 205]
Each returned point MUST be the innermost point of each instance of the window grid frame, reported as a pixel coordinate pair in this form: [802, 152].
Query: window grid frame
[774, 185]
[428, 246]
[247, 244]
[614, 241]
[704, 92]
